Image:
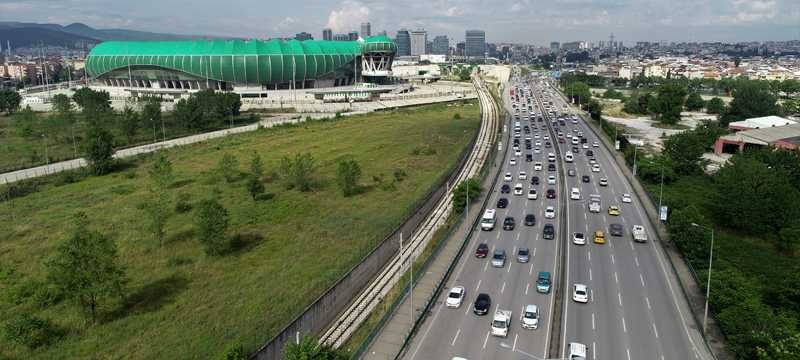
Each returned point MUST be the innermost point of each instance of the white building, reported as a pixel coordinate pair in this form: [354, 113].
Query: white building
[419, 38]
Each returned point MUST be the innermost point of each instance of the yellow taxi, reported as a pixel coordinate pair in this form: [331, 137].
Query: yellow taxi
[599, 237]
[613, 210]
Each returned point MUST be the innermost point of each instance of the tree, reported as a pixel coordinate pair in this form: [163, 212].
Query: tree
[160, 203]
[685, 151]
[715, 106]
[86, 267]
[750, 99]
[255, 187]
[595, 109]
[787, 348]
[694, 102]
[298, 172]
[62, 105]
[578, 92]
[129, 124]
[94, 104]
[789, 239]
[668, 102]
[99, 149]
[468, 188]
[310, 349]
[257, 165]
[9, 100]
[613, 94]
[229, 167]
[212, 222]
[347, 175]
[151, 114]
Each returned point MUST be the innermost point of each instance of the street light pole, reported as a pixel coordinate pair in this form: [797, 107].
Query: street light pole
[708, 281]
[634, 159]
[661, 187]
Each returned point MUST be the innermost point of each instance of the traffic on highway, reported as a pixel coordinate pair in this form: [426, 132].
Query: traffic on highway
[562, 257]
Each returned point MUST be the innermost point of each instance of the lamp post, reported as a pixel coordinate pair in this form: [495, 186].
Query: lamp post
[634, 159]
[708, 282]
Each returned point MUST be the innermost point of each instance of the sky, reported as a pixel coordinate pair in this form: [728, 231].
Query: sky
[519, 21]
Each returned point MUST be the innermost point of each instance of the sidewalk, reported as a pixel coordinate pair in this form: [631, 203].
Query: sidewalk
[391, 337]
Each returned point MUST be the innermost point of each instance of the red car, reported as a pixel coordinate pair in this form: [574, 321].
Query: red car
[482, 250]
[561, 140]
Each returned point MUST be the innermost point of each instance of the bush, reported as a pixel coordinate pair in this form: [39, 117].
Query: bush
[399, 175]
[212, 221]
[347, 176]
[183, 205]
[234, 351]
[298, 172]
[469, 187]
[229, 167]
[30, 331]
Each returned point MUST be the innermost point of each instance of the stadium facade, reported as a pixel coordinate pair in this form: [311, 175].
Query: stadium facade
[240, 64]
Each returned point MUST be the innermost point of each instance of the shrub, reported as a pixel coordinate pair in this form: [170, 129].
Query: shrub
[183, 204]
[30, 331]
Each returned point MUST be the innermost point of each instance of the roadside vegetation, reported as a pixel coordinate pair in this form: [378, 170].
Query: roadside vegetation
[210, 249]
[751, 203]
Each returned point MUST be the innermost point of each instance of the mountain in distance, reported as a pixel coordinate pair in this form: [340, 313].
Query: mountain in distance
[22, 34]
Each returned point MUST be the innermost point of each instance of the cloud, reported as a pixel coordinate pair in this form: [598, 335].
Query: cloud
[349, 16]
[284, 24]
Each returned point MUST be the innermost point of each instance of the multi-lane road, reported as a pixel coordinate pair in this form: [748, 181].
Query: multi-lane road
[634, 309]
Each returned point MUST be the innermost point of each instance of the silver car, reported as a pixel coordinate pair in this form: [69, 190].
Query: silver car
[523, 255]
[499, 258]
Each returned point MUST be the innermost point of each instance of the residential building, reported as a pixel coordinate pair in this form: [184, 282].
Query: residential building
[779, 137]
[303, 36]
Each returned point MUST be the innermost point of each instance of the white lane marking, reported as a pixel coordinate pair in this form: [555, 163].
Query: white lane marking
[530, 272]
[528, 285]
[485, 266]
[498, 236]
[503, 288]
[636, 260]
[453, 343]
[628, 351]
[534, 252]
[479, 285]
[655, 330]
[514, 348]
[594, 351]
[509, 266]
[589, 255]
[624, 327]
[517, 239]
[485, 340]
[631, 244]
[590, 274]
[619, 296]
[647, 299]
[612, 258]
[593, 321]
[616, 278]
[641, 279]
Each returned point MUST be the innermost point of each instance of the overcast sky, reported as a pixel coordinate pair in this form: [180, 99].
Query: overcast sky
[527, 21]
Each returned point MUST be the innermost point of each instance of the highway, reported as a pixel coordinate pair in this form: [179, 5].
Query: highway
[635, 308]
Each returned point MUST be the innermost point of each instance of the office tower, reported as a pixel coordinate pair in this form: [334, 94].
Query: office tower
[554, 47]
[403, 41]
[353, 35]
[419, 38]
[475, 43]
[366, 29]
[327, 34]
[441, 45]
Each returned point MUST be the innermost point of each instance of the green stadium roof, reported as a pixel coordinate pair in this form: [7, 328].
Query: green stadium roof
[237, 61]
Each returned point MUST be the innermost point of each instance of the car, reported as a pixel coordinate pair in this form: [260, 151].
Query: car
[507, 177]
[551, 180]
[549, 232]
[530, 220]
[537, 150]
[547, 144]
[455, 296]
[551, 167]
[603, 182]
[522, 175]
[551, 194]
[626, 198]
[518, 189]
[543, 282]
[499, 258]
[580, 293]
[577, 351]
[508, 223]
[551, 157]
[517, 152]
[613, 210]
[505, 189]
[532, 194]
[615, 229]
[502, 203]
[482, 304]
[550, 212]
[596, 168]
[523, 255]
[585, 146]
[589, 153]
[530, 317]
[512, 162]
[599, 237]
[561, 140]
[586, 178]
[482, 250]
[537, 166]
[534, 180]
[528, 157]
[571, 172]
[592, 161]
[595, 144]
[578, 238]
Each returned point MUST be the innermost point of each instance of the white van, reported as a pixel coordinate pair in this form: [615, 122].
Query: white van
[569, 157]
[575, 194]
[577, 351]
[487, 220]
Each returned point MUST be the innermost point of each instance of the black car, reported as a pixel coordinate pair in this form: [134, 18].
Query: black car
[528, 157]
[502, 203]
[551, 194]
[547, 144]
[482, 250]
[589, 153]
[482, 304]
[551, 167]
[508, 223]
[534, 180]
[549, 232]
[530, 220]
[575, 149]
[505, 189]
[585, 178]
[615, 229]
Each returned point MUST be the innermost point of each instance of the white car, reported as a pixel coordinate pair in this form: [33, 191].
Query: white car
[530, 317]
[551, 180]
[580, 293]
[585, 145]
[550, 212]
[517, 152]
[578, 238]
[512, 162]
[522, 175]
[537, 150]
[626, 198]
[507, 177]
[532, 194]
[537, 143]
[603, 182]
[592, 161]
[577, 351]
[595, 144]
[518, 189]
[455, 297]
[537, 166]
[595, 168]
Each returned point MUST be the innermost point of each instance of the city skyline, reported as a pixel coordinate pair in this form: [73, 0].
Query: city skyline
[520, 21]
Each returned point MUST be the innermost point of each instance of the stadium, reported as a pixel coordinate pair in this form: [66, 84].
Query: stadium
[243, 66]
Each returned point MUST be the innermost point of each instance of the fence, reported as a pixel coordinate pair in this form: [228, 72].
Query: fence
[327, 307]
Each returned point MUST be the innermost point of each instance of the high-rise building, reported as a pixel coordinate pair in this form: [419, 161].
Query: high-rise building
[460, 48]
[475, 43]
[366, 29]
[353, 35]
[554, 46]
[419, 38]
[341, 37]
[327, 34]
[303, 36]
[403, 41]
[441, 45]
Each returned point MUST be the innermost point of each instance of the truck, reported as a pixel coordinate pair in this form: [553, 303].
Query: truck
[487, 220]
[639, 233]
[594, 203]
[501, 322]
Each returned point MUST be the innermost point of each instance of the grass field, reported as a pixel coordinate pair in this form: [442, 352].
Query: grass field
[183, 304]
